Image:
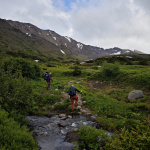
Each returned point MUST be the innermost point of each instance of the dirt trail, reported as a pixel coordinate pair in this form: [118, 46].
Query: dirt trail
[81, 104]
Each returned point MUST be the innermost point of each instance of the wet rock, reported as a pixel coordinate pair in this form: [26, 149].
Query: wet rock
[63, 116]
[75, 129]
[51, 126]
[62, 124]
[50, 133]
[69, 116]
[43, 133]
[72, 136]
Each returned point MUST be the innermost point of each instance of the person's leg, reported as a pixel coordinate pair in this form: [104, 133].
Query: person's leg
[47, 86]
[76, 100]
[72, 103]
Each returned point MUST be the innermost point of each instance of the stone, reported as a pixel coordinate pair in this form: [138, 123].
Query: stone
[77, 83]
[69, 116]
[136, 94]
[43, 133]
[84, 102]
[78, 107]
[75, 129]
[62, 124]
[62, 115]
[83, 111]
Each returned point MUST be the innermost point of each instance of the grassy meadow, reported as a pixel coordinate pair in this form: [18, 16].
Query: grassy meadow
[105, 84]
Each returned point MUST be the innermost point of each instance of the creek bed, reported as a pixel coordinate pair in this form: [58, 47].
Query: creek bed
[50, 133]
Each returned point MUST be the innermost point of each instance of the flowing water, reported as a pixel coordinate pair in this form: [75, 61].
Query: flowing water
[50, 133]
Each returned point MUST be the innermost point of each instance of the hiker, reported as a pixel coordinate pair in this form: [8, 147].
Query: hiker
[48, 78]
[73, 96]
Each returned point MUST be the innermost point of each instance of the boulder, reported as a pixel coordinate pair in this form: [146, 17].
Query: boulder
[136, 94]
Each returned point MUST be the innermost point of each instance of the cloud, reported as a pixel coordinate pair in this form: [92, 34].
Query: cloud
[112, 23]
[117, 23]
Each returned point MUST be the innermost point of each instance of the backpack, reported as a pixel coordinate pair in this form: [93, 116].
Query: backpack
[72, 91]
[47, 76]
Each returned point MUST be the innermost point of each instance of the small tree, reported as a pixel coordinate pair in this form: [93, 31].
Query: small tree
[77, 71]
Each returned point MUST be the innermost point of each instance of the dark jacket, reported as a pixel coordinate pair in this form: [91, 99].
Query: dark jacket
[72, 89]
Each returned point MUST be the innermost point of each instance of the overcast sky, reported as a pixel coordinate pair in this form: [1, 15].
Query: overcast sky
[103, 23]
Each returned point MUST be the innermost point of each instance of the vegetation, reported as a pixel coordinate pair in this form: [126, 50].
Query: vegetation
[105, 91]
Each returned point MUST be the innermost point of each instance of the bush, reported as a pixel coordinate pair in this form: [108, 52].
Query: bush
[138, 138]
[16, 93]
[95, 67]
[25, 67]
[92, 138]
[14, 137]
[143, 62]
[110, 70]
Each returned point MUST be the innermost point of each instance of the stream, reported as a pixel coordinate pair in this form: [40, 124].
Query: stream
[50, 133]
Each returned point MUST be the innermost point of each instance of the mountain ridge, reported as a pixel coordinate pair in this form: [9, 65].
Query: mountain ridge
[49, 43]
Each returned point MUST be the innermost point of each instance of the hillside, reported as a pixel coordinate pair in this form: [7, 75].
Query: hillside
[104, 115]
[27, 40]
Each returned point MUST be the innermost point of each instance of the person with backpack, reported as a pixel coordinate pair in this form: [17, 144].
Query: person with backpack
[48, 78]
[73, 96]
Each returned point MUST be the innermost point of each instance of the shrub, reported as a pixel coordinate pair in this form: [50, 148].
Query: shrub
[14, 137]
[16, 93]
[143, 62]
[25, 67]
[110, 70]
[92, 138]
[95, 67]
[138, 138]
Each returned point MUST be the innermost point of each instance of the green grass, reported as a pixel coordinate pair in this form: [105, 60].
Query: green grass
[108, 98]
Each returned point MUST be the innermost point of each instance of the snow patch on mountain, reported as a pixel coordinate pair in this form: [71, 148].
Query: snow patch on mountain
[28, 34]
[65, 44]
[117, 53]
[68, 38]
[62, 51]
[79, 45]
[54, 38]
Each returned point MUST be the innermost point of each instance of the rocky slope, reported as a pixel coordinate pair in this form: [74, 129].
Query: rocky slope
[18, 36]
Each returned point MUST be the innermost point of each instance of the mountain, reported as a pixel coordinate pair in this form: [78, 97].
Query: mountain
[29, 40]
